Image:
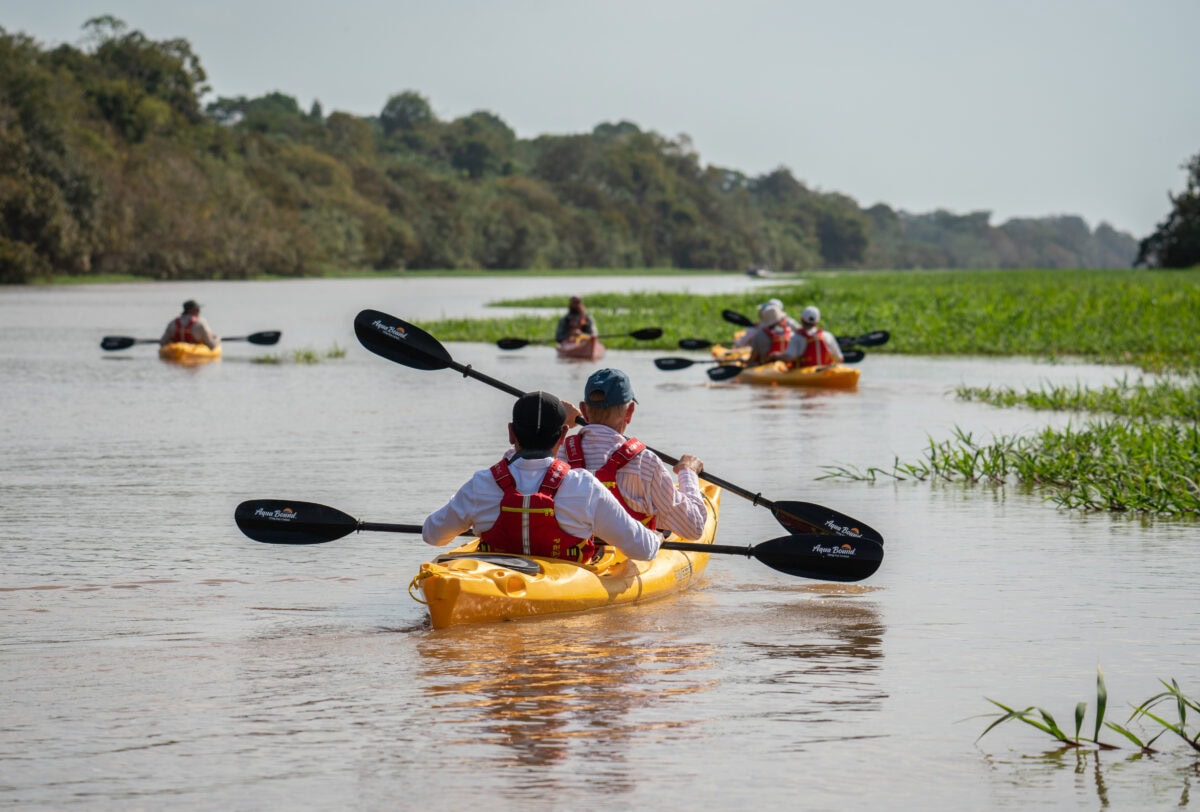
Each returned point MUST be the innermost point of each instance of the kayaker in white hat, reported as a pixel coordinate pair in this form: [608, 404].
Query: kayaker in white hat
[550, 508]
[190, 327]
[637, 477]
[770, 336]
[810, 346]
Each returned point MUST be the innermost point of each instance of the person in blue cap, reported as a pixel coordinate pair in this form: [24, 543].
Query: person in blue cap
[662, 498]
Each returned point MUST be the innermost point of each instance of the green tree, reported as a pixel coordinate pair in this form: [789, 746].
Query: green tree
[405, 111]
[1176, 241]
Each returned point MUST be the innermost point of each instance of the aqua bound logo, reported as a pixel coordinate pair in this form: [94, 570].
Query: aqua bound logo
[395, 331]
[278, 515]
[840, 551]
[842, 530]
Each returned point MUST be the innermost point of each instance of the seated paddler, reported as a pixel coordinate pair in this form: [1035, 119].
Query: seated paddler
[531, 503]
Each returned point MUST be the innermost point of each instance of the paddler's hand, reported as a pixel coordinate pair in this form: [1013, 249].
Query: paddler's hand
[572, 412]
[690, 462]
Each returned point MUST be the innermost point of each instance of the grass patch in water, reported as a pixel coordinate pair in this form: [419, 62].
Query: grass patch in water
[304, 356]
[1041, 719]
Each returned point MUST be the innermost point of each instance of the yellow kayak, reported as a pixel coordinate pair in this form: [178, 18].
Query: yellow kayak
[779, 373]
[181, 352]
[459, 587]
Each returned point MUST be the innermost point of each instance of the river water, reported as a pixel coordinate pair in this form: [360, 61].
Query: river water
[152, 656]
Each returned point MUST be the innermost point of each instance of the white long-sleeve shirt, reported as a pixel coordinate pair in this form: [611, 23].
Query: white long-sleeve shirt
[582, 507]
[646, 483]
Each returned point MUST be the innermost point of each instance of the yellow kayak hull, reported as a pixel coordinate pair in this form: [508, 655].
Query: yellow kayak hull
[458, 588]
[182, 352]
[777, 373]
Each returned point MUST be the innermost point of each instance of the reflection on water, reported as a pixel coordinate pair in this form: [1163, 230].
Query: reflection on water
[536, 693]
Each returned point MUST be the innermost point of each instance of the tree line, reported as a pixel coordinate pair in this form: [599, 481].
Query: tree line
[110, 163]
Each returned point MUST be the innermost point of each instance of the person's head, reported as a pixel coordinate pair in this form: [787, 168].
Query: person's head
[191, 306]
[770, 316]
[608, 398]
[810, 316]
[575, 305]
[769, 303]
[538, 422]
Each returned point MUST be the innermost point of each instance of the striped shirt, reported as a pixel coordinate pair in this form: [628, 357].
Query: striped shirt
[583, 507]
[647, 484]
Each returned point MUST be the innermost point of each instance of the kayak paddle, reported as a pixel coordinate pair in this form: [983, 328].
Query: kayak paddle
[124, 342]
[645, 334]
[409, 345]
[805, 555]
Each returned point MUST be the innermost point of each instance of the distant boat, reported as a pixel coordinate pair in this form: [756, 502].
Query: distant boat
[760, 273]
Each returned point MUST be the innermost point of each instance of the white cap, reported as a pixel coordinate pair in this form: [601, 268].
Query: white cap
[810, 315]
[769, 303]
[770, 315]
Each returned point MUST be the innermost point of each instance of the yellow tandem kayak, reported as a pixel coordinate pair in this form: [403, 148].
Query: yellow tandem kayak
[462, 587]
[182, 352]
[778, 373]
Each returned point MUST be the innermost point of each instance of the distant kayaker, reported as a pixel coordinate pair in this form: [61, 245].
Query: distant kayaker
[810, 346]
[530, 503]
[795, 325]
[637, 477]
[190, 327]
[576, 322]
[772, 334]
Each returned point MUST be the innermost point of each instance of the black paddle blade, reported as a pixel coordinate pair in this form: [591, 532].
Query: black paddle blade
[265, 337]
[278, 521]
[647, 333]
[671, 364]
[512, 343]
[733, 317]
[724, 372]
[806, 517]
[875, 338]
[117, 342]
[822, 558]
[852, 356]
[399, 341]
[694, 344]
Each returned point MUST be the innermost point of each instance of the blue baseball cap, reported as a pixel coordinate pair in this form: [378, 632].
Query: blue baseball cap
[608, 387]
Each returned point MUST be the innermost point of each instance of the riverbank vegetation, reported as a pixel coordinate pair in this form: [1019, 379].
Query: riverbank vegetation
[121, 160]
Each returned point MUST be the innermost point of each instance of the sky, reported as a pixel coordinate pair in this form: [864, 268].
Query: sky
[1024, 108]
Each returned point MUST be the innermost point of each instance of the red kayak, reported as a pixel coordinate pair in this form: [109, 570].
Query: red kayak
[584, 348]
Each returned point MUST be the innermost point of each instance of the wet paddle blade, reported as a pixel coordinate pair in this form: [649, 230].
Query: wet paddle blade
[266, 337]
[647, 333]
[117, 342]
[512, 343]
[875, 338]
[724, 372]
[822, 558]
[694, 344]
[671, 364]
[852, 356]
[733, 317]
[279, 521]
[399, 341]
[806, 517]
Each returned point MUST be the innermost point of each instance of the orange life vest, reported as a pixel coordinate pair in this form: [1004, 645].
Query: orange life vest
[780, 335]
[607, 473]
[526, 524]
[183, 329]
[815, 352]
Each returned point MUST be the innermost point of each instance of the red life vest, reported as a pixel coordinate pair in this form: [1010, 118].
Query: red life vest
[815, 352]
[526, 524]
[780, 335]
[183, 329]
[577, 321]
[607, 473]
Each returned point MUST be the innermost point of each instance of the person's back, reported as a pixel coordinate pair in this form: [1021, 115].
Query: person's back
[530, 504]
[190, 328]
[638, 478]
[770, 337]
[812, 346]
